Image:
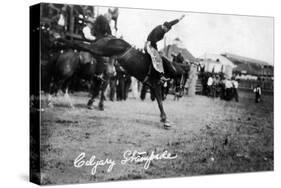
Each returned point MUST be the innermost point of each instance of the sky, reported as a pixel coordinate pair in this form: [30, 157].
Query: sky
[201, 33]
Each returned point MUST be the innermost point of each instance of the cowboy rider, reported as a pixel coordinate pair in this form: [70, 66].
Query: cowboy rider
[155, 36]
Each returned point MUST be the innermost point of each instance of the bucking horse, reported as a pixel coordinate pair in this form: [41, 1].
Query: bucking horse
[135, 62]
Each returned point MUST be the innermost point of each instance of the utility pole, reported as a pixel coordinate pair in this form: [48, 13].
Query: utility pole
[72, 21]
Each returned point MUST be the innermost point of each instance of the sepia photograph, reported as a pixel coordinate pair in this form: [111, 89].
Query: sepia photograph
[125, 93]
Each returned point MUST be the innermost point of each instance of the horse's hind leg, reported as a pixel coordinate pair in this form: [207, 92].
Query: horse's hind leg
[156, 89]
[95, 88]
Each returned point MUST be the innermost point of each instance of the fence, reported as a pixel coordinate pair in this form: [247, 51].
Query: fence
[266, 85]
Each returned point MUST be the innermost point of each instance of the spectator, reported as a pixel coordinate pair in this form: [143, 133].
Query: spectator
[209, 85]
[61, 22]
[123, 84]
[257, 91]
[228, 87]
[234, 88]
[134, 85]
[216, 86]
[87, 32]
[114, 16]
[222, 87]
[112, 86]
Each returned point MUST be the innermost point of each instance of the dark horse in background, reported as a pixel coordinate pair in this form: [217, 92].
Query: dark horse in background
[180, 78]
[60, 65]
[135, 62]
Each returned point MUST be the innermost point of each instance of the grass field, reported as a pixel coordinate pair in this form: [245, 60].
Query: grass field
[210, 136]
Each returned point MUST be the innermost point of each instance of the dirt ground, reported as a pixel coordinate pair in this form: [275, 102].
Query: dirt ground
[210, 136]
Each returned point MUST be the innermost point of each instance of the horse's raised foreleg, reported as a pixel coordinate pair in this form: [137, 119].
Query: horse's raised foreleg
[156, 89]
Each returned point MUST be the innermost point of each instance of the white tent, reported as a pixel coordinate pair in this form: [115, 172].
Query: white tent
[217, 63]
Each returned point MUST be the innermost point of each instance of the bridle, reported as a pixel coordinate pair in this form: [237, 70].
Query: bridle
[126, 52]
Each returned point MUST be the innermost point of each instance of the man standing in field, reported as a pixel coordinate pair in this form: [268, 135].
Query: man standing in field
[209, 85]
[235, 87]
[228, 87]
[257, 91]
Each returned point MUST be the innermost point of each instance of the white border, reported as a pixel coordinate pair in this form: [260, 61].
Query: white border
[14, 78]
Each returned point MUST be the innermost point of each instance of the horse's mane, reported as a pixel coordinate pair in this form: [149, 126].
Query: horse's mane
[139, 52]
[101, 26]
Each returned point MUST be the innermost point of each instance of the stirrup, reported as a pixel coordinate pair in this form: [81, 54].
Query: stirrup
[163, 79]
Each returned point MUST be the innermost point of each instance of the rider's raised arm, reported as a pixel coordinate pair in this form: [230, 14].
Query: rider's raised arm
[173, 22]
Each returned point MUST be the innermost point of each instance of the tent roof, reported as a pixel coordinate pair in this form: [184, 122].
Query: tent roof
[216, 58]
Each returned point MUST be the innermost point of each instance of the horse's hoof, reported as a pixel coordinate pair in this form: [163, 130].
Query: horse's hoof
[90, 102]
[167, 125]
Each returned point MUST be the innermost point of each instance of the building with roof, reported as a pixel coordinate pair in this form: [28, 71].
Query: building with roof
[250, 67]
